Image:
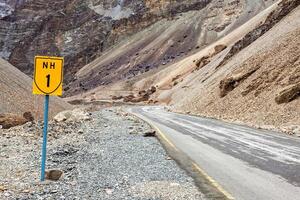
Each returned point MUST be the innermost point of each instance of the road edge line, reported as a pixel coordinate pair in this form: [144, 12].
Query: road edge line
[213, 182]
[197, 167]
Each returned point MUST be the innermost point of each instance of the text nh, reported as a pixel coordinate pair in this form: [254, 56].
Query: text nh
[51, 65]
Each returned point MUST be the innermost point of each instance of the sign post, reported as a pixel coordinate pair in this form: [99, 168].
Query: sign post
[48, 78]
[45, 130]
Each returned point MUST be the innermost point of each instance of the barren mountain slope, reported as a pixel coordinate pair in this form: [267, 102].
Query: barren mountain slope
[254, 81]
[162, 44]
[16, 94]
[163, 77]
[165, 42]
[79, 30]
[129, 37]
[259, 86]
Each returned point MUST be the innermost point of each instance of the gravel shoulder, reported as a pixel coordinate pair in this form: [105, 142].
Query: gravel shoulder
[104, 158]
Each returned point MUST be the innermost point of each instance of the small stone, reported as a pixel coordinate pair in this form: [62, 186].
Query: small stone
[109, 191]
[168, 158]
[73, 183]
[297, 131]
[80, 131]
[54, 174]
[2, 188]
[6, 194]
[150, 133]
[25, 191]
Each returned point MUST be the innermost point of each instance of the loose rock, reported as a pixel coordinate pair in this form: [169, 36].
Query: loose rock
[53, 174]
[151, 133]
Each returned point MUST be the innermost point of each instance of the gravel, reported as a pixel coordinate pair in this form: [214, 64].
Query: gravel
[104, 158]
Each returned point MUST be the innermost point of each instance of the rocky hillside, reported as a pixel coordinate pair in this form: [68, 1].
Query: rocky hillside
[259, 84]
[250, 75]
[125, 34]
[235, 60]
[255, 81]
[16, 94]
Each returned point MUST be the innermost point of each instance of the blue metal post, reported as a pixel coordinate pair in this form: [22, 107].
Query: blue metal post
[44, 148]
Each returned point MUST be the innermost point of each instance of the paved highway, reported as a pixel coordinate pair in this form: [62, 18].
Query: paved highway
[246, 163]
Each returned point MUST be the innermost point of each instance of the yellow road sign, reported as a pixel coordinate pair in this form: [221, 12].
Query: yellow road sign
[48, 75]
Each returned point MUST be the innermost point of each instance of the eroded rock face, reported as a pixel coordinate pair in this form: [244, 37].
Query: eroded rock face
[78, 30]
[82, 30]
[285, 7]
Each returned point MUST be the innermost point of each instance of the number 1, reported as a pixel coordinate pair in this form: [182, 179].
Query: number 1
[48, 80]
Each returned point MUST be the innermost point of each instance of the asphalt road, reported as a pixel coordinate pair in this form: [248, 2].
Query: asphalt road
[247, 163]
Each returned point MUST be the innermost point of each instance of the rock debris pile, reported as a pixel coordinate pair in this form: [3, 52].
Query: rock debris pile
[98, 158]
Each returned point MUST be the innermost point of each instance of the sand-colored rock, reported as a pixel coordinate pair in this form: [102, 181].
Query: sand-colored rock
[288, 94]
[228, 84]
[10, 120]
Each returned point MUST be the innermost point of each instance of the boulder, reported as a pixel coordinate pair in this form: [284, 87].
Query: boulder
[63, 116]
[142, 92]
[72, 116]
[202, 62]
[152, 89]
[219, 48]
[116, 97]
[145, 97]
[288, 94]
[230, 83]
[142, 96]
[128, 98]
[11, 120]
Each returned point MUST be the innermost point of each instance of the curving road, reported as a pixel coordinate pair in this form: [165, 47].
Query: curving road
[247, 163]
